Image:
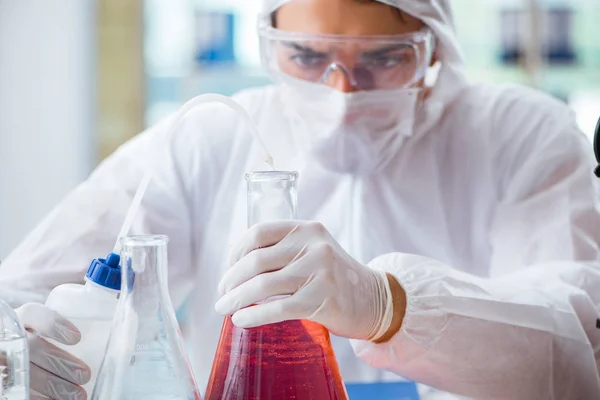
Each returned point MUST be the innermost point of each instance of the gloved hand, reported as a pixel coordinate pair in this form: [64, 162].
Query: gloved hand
[303, 260]
[53, 372]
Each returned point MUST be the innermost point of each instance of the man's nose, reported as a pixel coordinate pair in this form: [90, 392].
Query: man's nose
[337, 77]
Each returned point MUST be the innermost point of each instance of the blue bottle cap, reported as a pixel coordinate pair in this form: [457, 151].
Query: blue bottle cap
[106, 272]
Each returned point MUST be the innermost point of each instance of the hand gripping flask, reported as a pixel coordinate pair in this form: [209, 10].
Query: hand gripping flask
[145, 357]
[288, 360]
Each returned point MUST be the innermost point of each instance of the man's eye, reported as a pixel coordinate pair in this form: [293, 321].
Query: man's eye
[308, 60]
[388, 61]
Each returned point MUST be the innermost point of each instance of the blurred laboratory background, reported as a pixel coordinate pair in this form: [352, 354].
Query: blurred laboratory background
[80, 77]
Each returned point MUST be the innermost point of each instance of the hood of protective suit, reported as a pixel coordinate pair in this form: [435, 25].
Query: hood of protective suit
[437, 15]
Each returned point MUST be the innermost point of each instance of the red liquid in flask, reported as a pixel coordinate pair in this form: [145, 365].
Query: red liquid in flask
[288, 360]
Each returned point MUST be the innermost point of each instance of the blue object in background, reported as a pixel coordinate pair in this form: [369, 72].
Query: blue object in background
[215, 38]
[556, 34]
[559, 46]
[383, 391]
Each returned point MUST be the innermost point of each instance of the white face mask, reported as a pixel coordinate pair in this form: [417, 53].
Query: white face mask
[357, 133]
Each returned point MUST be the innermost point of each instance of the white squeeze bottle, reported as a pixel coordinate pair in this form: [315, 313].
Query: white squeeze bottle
[91, 307]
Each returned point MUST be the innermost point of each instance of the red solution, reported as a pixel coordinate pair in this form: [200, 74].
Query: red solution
[288, 360]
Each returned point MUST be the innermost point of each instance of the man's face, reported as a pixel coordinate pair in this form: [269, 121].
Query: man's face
[346, 17]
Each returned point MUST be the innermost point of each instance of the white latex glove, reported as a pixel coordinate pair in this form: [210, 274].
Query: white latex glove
[53, 372]
[303, 260]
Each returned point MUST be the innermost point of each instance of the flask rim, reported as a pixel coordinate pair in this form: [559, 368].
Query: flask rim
[267, 176]
[144, 240]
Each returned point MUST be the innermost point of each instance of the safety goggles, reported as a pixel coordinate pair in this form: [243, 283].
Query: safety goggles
[368, 62]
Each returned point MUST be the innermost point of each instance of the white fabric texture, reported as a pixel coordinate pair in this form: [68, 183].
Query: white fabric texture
[54, 373]
[494, 188]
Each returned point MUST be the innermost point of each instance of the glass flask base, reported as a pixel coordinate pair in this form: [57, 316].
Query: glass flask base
[288, 360]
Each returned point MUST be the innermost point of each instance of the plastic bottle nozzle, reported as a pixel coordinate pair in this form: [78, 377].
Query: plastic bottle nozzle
[113, 260]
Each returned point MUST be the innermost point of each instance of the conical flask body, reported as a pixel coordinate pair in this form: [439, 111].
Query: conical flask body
[287, 360]
[145, 356]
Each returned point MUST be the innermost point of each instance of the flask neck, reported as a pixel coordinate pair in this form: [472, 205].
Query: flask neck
[272, 196]
[145, 289]
[145, 267]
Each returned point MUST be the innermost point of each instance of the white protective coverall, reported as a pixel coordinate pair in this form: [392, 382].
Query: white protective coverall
[494, 190]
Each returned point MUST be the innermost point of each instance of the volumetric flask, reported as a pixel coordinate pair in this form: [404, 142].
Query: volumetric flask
[287, 360]
[145, 357]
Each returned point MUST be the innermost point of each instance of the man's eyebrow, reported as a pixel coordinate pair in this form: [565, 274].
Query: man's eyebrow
[299, 47]
[387, 49]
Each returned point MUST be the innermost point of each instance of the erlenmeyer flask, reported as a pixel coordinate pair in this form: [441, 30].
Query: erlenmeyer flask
[145, 357]
[288, 360]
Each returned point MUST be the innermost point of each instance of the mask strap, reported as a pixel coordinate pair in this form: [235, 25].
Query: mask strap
[432, 73]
